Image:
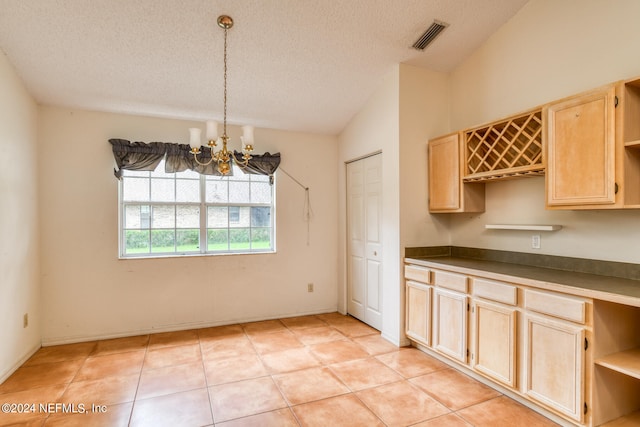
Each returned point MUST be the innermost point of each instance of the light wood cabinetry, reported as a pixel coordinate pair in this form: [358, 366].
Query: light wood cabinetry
[593, 149]
[450, 323]
[581, 150]
[531, 342]
[418, 312]
[494, 315]
[555, 364]
[447, 192]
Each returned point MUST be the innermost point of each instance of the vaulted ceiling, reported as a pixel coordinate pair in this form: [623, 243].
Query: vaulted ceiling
[303, 65]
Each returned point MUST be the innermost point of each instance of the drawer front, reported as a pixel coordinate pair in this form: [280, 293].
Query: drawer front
[495, 291]
[417, 273]
[557, 305]
[453, 281]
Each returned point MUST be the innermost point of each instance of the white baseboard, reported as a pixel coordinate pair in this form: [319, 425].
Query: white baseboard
[20, 362]
[46, 342]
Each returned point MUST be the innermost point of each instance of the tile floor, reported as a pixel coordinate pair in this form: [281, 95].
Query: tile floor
[324, 370]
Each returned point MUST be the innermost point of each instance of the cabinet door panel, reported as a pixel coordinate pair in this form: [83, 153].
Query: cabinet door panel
[450, 324]
[444, 173]
[554, 358]
[581, 150]
[494, 349]
[418, 316]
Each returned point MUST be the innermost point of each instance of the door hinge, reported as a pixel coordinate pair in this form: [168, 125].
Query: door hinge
[585, 408]
[615, 188]
[467, 352]
[467, 306]
[615, 102]
[586, 344]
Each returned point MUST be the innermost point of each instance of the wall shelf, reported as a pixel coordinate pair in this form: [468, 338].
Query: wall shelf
[524, 227]
[626, 362]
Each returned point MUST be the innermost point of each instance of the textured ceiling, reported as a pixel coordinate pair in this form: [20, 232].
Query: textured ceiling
[304, 65]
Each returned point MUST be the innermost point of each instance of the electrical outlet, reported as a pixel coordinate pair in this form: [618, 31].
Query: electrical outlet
[25, 320]
[535, 241]
[309, 287]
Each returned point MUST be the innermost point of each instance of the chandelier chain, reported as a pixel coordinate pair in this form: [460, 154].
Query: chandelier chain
[224, 130]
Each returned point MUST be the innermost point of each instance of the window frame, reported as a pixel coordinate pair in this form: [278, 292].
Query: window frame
[203, 229]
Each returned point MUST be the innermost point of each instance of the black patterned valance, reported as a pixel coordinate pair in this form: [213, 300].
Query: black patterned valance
[140, 156]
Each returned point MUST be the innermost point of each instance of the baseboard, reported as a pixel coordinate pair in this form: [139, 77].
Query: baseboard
[20, 362]
[46, 342]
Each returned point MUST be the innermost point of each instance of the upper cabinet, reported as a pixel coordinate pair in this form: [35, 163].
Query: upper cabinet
[447, 192]
[587, 146]
[593, 149]
[581, 150]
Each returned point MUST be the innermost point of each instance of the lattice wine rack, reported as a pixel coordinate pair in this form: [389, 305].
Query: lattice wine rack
[507, 149]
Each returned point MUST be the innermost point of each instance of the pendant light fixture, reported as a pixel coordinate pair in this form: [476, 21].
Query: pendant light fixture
[222, 157]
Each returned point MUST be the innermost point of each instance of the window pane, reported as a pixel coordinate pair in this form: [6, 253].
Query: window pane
[238, 175]
[127, 173]
[260, 216]
[160, 173]
[218, 240]
[239, 192]
[239, 216]
[187, 190]
[239, 238]
[260, 178]
[260, 238]
[260, 192]
[163, 217]
[188, 217]
[163, 190]
[135, 189]
[163, 240]
[136, 242]
[188, 240]
[217, 217]
[136, 216]
[217, 191]
[189, 174]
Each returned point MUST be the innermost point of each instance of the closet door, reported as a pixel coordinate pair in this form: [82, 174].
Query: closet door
[364, 245]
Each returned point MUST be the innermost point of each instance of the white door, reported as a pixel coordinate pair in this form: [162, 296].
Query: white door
[364, 245]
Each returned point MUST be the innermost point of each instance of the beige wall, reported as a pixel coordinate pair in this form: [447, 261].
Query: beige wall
[376, 128]
[549, 50]
[90, 294]
[19, 256]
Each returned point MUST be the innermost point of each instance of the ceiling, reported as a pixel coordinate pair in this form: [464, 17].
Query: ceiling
[301, 65]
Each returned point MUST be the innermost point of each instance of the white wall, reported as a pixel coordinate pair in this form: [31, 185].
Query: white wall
[409, 107]
[551, 49]
[376, 128]
[90, 294]
[19, 255]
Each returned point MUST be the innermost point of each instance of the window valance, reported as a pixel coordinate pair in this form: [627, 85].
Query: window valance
[140, 156]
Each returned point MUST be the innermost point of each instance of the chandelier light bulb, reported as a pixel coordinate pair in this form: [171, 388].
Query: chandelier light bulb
[212, 130]
[194, 138]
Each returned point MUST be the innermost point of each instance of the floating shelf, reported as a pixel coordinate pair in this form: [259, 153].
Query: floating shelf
[625, 362]
[523, 227]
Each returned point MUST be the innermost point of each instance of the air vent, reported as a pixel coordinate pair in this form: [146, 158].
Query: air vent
[430, 35]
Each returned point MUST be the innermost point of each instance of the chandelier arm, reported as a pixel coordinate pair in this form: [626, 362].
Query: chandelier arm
[195, 157]
[245, 161]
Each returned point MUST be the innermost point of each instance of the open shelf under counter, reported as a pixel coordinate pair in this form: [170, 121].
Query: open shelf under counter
[632, 144]
[626, 362]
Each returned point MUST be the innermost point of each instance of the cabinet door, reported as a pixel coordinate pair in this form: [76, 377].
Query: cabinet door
[554, 359]
[418, 312]
[444, 173]
[494, 341]
[581, 150]
[450, 324]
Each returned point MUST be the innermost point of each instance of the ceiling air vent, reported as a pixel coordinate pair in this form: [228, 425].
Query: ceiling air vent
[430, 35]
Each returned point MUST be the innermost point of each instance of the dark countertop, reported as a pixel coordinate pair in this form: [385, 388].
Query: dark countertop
[613, 289]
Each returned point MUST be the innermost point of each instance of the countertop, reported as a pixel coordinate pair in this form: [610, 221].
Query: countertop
[613, 289]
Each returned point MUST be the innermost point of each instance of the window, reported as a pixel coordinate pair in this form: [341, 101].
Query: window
[186, 213]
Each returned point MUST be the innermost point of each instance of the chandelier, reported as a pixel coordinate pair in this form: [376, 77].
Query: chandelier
[223, 156]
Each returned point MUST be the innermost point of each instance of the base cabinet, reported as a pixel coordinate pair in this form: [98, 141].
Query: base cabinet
[494, 341]
[418, 312]
[450, 324]
[554, 365]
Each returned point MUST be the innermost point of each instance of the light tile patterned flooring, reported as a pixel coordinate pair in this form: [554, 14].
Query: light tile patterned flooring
[324, 370]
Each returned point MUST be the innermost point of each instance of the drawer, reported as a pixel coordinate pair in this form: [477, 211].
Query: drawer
[495, 291]
[417, 273]
[557, 305]
[453, 281]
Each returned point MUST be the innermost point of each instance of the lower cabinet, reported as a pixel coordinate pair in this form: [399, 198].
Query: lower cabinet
[450, 323]
[418, 312]
[554, 365]
[494, 341]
